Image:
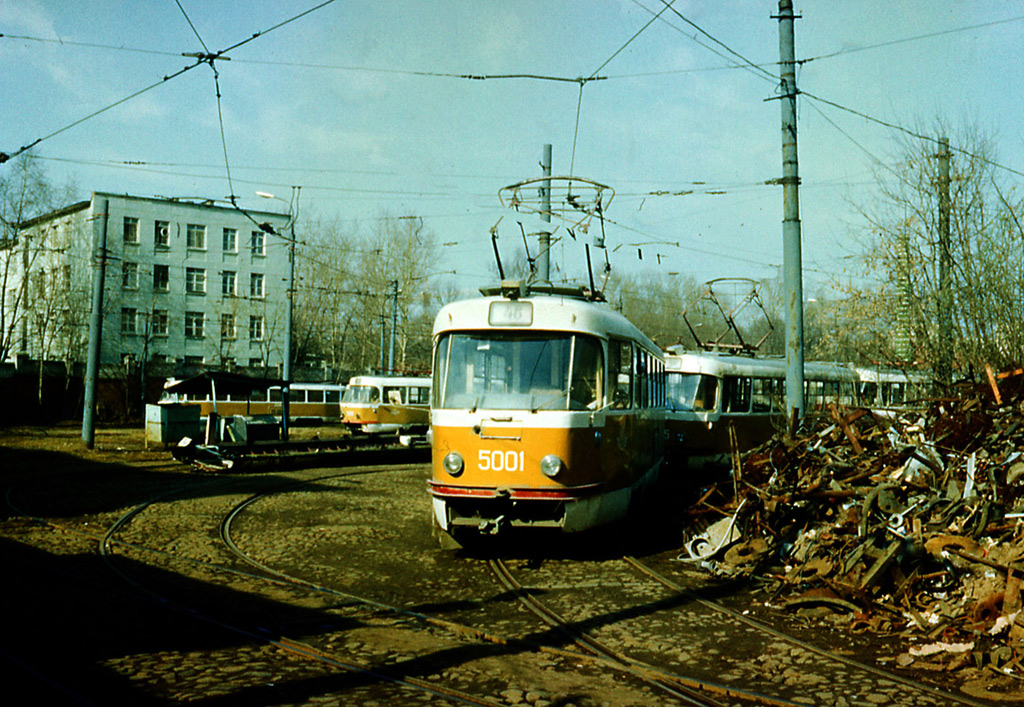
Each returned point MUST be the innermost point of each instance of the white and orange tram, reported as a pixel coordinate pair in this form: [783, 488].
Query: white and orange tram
[387, 403]
[546, 411]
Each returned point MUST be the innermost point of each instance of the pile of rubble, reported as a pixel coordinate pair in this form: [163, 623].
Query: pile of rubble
[908, 523]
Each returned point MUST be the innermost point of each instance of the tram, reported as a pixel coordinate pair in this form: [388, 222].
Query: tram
[307, 402]
[546, 412]
[718, 402]
[386, 403]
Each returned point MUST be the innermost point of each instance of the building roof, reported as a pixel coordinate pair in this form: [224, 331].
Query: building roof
[64, 211]
[195, 202]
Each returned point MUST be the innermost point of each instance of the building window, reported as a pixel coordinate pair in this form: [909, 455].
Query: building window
[131, 229]
[195, 281]
[159, 322]
[194, 360]
[130, 276]
[255, 363]
[228, 280]
[161, 278]
[256, 285]
[227, 326]
[129, 320]
[161, 235]
[256, 328]
[194, 325]
[196, 236]
[230, 240]
[258, 243]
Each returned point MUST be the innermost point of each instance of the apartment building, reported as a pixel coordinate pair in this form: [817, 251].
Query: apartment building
[186, 282]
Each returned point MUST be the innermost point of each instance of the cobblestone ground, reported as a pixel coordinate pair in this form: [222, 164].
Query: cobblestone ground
[89, 619]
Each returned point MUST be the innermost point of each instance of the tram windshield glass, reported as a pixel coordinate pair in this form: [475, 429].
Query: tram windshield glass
[514, 371]
[361, 394]
[692, 391]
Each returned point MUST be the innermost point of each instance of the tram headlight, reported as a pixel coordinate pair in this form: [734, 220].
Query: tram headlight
[453, 463]
[551, 466]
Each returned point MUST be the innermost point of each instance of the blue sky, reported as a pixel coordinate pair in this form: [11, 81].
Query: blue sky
[348, 102]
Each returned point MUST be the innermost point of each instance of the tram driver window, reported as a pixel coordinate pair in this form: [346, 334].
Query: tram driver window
[706, 398]
[393, 396]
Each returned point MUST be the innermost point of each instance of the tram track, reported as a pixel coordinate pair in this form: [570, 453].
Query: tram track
[930, 695]
[290, 645]
[741, 618]
[688, 690]
[111, 539]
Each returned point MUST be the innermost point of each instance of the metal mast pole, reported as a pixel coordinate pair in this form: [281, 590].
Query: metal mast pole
[944, 372]
[394, 325]
[99, 264]
[792, 268]
[544, 257]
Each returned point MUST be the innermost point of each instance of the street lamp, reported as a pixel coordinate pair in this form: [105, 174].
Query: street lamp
[290, 297]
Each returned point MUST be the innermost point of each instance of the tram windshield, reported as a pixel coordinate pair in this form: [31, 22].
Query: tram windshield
[361, 394]
[514, 371]
[692, 391]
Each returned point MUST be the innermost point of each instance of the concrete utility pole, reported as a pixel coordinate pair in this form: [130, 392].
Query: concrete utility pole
[289, 308]
[791, 263]
[92, 368]
[944, 369]
[286, 368]
[544, 256]
[394, 325]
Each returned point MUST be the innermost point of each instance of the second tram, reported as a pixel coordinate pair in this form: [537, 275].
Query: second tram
[717, 402]
[385, 403]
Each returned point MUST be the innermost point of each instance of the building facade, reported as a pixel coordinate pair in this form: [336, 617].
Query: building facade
[186, 282]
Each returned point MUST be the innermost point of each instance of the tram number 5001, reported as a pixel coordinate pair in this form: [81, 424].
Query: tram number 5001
[496, 460]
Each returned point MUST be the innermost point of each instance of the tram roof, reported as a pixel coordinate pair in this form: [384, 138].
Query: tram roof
[561, 309]
[723, 364]
[368, 380]
[223, 382]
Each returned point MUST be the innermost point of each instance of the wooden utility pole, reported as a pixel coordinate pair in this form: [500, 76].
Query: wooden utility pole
[791, 263]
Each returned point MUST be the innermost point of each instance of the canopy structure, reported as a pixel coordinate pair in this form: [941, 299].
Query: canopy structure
[220, 384]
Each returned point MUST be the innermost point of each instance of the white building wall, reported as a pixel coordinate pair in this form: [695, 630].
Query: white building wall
[149, 262]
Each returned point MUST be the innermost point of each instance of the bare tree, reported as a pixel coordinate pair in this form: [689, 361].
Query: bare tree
[901, 250]
[345, 294]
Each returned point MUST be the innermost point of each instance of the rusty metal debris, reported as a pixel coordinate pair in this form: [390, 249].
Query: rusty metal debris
[908, 523]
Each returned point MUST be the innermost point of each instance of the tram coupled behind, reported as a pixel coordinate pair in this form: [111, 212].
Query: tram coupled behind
[546, 412]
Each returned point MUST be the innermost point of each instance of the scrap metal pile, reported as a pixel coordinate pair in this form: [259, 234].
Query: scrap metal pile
[910, 523]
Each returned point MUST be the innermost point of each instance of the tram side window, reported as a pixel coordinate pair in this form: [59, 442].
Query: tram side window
[868, 393]
[641, 378]
[762, 394]
[419, 395]
[332, 396]
[587, 374]
[736, 394]
[275, 395]
[312, 396]
[620, 365]
[393, 395]
[814, 394]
